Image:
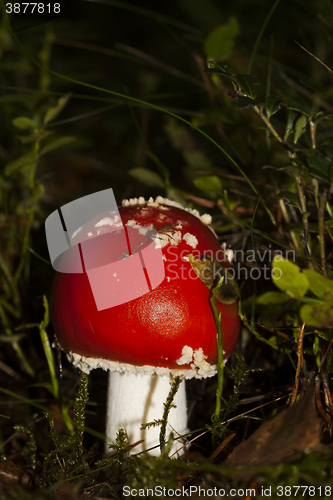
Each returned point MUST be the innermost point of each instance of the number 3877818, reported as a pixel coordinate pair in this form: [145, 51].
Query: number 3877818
[32, 8]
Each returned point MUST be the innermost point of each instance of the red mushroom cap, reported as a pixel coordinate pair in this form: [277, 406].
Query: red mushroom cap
[170, 328]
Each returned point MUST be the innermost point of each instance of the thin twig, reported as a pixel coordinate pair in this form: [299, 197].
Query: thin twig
[325, 355]
[327, 394]
[321, 230]
[318, 403]
[317, 59]
[300, 363]
[221, 447]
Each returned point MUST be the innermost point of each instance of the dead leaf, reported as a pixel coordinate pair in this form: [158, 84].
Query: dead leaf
[279, 440]
[66, 492]
[12, 474]
[210, 271]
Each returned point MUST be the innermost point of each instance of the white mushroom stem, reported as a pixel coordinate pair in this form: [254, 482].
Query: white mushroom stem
[137, 398]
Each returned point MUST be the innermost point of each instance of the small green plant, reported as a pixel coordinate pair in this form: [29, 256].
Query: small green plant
[69, 459]
[163, 422]
[118, 458]
[30, 447]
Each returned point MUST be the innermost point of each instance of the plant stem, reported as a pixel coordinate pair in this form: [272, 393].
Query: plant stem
[259, 111]
[302, 201]
[175, 383]
[300, 364]
[313, 133]
[219, 341]
[321, 230]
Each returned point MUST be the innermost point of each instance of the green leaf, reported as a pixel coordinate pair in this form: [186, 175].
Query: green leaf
[55, 143]
[317, 117]
[291, 198]
[23, 123]
[299, 127]
[319, 315]
[25, 139]
[24, 162]
[209, 183]
[147, 177]
[288, 278]
[273, 298]
[290, 123]
[225, 69]
[319, 285]
[220, 42]
[243, 102]
[272, 105]
[52, 113]
[326, 334]
[270, 314]
[249, 85]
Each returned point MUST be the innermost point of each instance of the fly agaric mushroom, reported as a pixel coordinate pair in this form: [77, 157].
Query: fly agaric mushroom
[166, 330]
